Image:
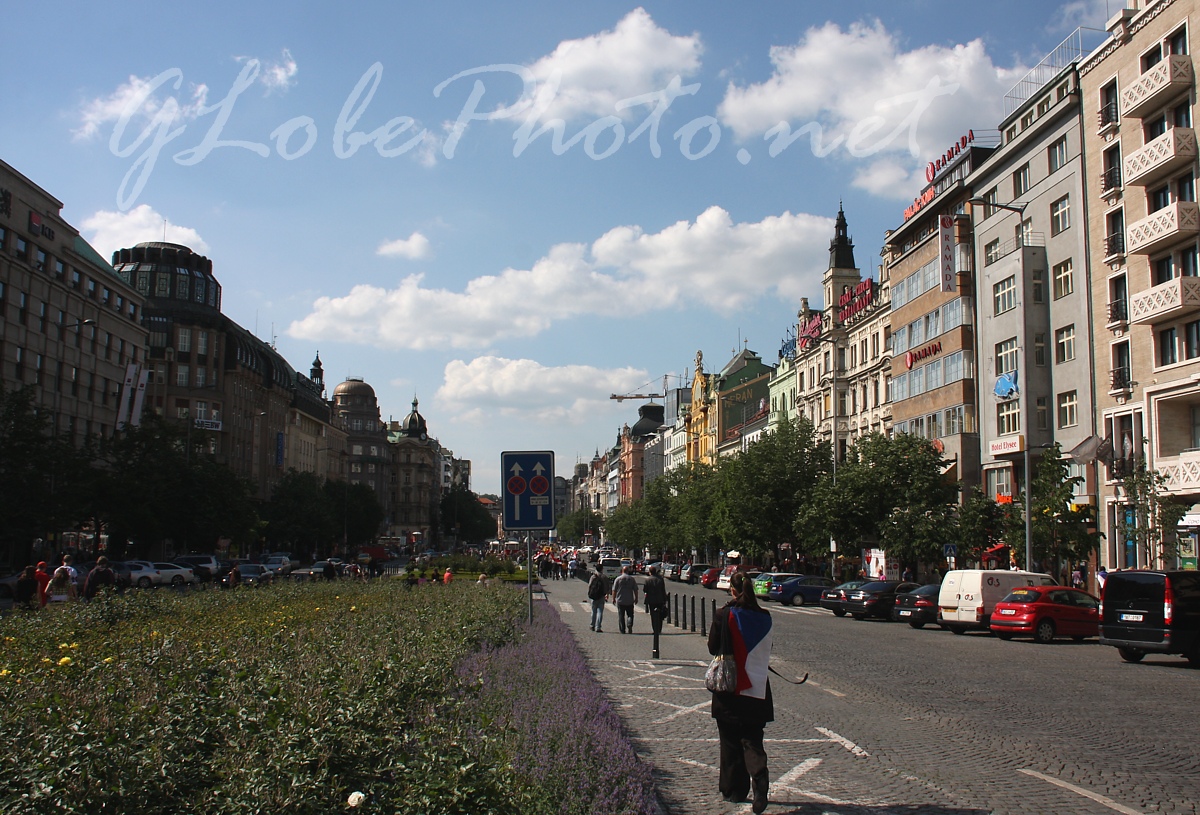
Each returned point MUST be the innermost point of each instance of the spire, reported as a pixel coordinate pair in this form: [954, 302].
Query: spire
[841, 248]
[316, 373]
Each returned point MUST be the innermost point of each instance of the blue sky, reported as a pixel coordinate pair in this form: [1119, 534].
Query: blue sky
[508, 211]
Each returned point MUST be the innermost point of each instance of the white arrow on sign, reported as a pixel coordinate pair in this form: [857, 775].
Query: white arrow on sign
[516, 471]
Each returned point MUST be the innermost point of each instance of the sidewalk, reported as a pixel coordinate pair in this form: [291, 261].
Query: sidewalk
[663, 702]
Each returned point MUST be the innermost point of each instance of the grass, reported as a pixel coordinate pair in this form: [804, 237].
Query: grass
[438, 699]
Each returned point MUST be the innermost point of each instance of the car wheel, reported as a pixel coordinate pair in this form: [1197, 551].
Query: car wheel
[1131, 654]
[177, 580]
[144, 582]
[957, 630]
[1193, 657]
[1078, 638]
[916, 624]
[839, 612]
[1044, 633]
[1004, 635]
[860, 616]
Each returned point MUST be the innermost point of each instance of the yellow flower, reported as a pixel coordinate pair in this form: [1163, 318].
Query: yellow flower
[46, 659]
[354, 608]
[108, 660]
[62, 646]
[65, 661]
[74, 645]
[5, 672]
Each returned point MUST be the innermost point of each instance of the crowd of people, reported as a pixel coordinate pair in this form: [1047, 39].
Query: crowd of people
[41, 586]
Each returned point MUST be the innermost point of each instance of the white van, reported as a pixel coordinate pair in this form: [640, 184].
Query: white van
[610, 567]
[968, 596]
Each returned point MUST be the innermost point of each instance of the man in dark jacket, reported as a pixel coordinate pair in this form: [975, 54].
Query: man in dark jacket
[655, 591]
[598, 593]
[99, 577]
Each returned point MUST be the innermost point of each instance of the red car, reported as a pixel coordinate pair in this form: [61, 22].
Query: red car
[709, 579]
[1046, 612]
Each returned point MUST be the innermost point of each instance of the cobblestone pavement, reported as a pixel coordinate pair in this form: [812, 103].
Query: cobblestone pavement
[898, 720]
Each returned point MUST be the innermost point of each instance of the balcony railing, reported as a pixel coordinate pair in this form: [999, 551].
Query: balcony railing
[1156, 85]
[1114, 244]
[1118, 311]
[1158, 158]
[1108, 115]
[1008, 247]
[1110, 179]
[1165, 226]
[1166, 301]
[1121, 380]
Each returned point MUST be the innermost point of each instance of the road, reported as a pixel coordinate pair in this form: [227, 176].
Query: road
[899, 720]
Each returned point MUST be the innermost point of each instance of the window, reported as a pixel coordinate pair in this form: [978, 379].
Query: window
[1060, 215]
[1152, 57]
[1064, 344]
[1006, 356]
[1110, 179]
[1039, 286]
[1177, 41]
[1042, 411]
[991, 252]
[1004, 295]
[1020, 180]
[40, 259]
[91, 289]
[201, 377]
[1191, 340]
[1057, 155]
[1164, 270]
[1068, 409]
[989, 202]
[185, 340]
[1109, 106]
[1008, 417]
[1064, 279]
[1168, 352]
[1182, 115]
[162, 285]
[1039, 349]
[1027, 120]
[181, 285]
[1024, 232]
[3, 238]
[182, 374]
[1159, 198]
[202, 343]
[999, 482]
[1185, 188]
[1114, 241]
[22, 248]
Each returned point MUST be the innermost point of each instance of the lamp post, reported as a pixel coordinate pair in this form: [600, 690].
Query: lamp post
[804, 315]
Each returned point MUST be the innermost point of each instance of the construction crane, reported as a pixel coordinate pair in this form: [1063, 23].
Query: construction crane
[620, 397]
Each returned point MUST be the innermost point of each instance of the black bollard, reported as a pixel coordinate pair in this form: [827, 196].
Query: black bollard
[703, 624]
[693, 614]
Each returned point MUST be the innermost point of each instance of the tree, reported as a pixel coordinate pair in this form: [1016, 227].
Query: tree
[1153, 518]
[981, 524]
[28, 457]
[575, 525]
[464, 518]
[300, 515]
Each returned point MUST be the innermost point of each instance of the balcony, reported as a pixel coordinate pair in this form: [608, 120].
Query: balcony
[1166, 226]
[1110, 180]
[1159, 84]
[1121, 383]
[1169, 152]
[1108, 116]
[1165, 302]
[1181, 473]
[1118, 314]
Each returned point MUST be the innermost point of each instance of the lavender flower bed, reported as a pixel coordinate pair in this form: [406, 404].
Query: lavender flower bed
[538, 697]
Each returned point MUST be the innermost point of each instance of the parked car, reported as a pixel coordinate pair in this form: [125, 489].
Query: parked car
[206, 567]
[798, 591]
[1152, 612]
[690, 573]
[145, 573]
[876, 599]
[727, 574]
[313, 572]
[968, 595]
[279, 564]
[835, 599]
[1045, 612]
[762, 583]
[917, 607]
[253, 574]
[670, 571]
[709, 579]
[610, 567]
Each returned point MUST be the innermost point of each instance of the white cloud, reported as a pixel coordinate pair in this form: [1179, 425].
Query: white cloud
[278, 76]
[889, 178]
[137, 99]
[711, 262]
[1085, 13]
[589, 76]
[414, 247]
[868, 96]
[490, 386]
[111, 231]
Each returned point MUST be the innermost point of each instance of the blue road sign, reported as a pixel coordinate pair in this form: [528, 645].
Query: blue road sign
[950, 550]
[528, 490]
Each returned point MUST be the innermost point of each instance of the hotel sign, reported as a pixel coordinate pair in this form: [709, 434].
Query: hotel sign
[807, 333]
[855, 301]
[927, 351]
[941, 162]
[1006, 446]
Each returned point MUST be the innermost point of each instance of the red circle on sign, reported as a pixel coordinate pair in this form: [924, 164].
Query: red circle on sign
[516, 485]
[539, 484]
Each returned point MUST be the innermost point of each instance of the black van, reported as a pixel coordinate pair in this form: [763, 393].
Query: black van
[1152, 612]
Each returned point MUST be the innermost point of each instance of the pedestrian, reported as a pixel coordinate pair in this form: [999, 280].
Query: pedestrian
[1077, 578]
[742, 628]
[67, 562]
[448, 576]
[100, 576]
[42, 576]
[1101, 576]
[61, 588]
[655, 592]
[329, 571]
[598, 593]
[625, 595]
[907, 576]
[235, 576]
[482, 581]
[26, 591]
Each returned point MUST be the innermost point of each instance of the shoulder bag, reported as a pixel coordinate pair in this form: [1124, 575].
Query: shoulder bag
[721, 676]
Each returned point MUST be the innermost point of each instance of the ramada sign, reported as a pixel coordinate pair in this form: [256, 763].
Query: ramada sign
[933, 168]
[920, 354]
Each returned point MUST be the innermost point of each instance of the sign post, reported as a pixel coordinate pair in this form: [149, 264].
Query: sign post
[528, 500]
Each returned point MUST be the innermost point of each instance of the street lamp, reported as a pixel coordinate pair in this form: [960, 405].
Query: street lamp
[1017, 208]
[804, 315]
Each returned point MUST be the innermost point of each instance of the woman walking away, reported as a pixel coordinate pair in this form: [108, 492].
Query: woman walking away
[742, 628]
[61, 588]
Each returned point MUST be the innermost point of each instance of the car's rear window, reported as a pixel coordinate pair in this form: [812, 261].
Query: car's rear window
[878, 585]
[1133, 587]
[1023, 596]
